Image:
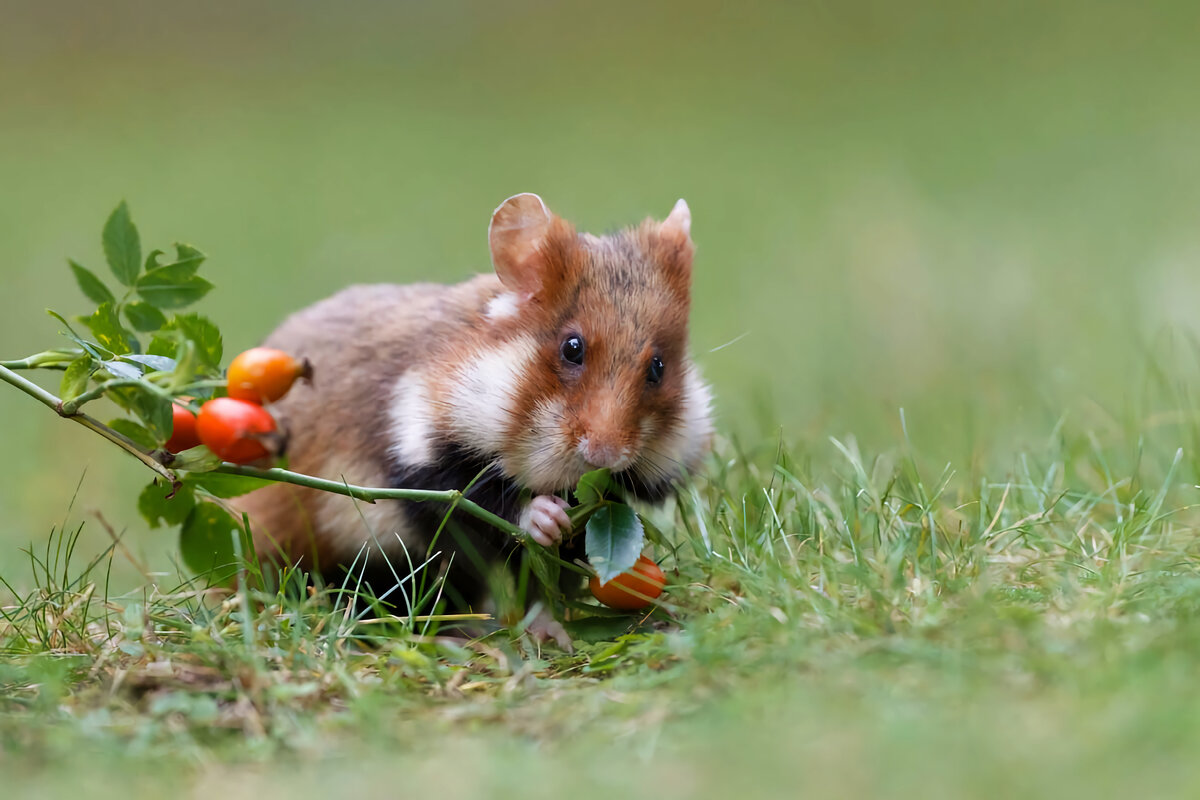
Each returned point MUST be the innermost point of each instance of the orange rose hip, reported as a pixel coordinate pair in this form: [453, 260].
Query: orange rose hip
[263, 375]
[183, 429]
[632, 589]
[237, 430]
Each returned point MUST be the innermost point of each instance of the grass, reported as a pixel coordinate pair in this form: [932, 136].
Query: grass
[839, 622]
[980, 215]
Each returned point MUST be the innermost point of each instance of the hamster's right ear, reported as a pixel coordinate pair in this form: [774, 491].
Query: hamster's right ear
[519, 227]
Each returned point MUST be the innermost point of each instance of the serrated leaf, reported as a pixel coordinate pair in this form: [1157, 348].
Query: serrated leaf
[156, 363]
[92, 287]
[196, 459]
[152, 259]
[225, 486]
[593, 486]
[172, 286]
[122, 247]
[151, 408]
[137, 433]
[205, 334]
[614, 540]
[206, 542]
[106, 326]
[75, 379]
[144, 317]
[157, 509]
[164, 344]
[188, 257]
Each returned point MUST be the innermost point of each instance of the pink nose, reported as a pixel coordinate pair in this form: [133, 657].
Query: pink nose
[603, 452]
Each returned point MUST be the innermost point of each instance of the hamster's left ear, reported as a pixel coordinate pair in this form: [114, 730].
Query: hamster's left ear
[674, 245]
[516, 236]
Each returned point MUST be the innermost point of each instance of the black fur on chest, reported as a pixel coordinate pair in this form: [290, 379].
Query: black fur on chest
[467, 548]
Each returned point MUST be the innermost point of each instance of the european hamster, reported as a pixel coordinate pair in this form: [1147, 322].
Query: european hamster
[572, 356]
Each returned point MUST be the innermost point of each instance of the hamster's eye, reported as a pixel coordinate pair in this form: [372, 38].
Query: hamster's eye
[654, 373]
[572, 349]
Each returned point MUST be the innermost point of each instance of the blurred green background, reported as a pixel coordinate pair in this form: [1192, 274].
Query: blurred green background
[985, 214]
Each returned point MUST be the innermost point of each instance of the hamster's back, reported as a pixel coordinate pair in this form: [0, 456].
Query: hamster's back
[359, 342]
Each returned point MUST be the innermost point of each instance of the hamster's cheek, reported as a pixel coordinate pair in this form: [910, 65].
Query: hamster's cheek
[543, 456]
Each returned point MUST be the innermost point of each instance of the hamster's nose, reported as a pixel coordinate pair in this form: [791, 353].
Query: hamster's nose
[608, 452]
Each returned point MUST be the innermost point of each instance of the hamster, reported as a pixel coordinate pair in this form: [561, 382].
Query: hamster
[571, 357]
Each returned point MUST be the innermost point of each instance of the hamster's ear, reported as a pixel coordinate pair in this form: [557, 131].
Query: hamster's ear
[519, 226]
[674, 246]
[678, 224]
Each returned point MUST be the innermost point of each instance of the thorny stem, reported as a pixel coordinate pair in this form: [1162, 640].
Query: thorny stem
[128, 445]
[151, 460]
[370, 495]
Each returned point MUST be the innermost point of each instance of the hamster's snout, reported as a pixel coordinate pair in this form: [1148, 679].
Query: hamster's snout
[605, 451]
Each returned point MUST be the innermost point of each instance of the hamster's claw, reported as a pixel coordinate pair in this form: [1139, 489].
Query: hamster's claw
[545, 519]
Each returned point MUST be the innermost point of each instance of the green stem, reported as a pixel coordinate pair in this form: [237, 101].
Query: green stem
[70, 411]
[371, 494]
[51, 359]
[71, 406]
[50, 400]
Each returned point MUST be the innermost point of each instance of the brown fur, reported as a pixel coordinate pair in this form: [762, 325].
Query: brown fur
[627, 295]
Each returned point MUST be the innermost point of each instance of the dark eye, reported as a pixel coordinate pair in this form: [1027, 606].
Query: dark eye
[654, 372]
[572, 349]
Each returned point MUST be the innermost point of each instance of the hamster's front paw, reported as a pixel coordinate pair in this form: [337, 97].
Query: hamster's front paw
[545, 519]
[545, 627]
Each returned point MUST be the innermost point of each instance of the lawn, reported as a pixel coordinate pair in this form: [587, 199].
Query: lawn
[945, 292]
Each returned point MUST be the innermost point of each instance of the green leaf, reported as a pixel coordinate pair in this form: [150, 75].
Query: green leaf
[196, 459]
[206, 336]
[188, 257]
[152, 409]
[158, 506]
[152, 259]
[593, 486]
[225, 486]
[121, 369]
[106, 326]
[172, 286]
[70, 333]
[75, 379]
[598, 628]
[206, 542]
[155, 363]
[91, 286]
[144, 317]
[138, 433]
[164, 344]
[122, 247]
[614, 540]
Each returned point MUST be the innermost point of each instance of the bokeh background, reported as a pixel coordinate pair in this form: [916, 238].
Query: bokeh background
[985, 214]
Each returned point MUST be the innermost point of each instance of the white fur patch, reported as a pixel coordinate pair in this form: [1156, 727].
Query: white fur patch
[503, 306]
[544, 459]
[482, 394]
[411, 420]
